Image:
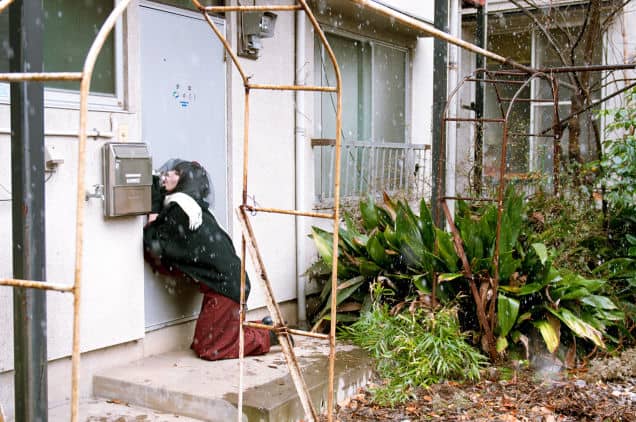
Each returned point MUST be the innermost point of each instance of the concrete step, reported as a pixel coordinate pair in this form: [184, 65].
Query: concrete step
[182, 384]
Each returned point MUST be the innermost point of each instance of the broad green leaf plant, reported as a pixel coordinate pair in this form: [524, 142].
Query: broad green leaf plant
[403, 255]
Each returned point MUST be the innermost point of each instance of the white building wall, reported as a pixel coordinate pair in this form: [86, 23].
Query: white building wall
[112, 264]
[620, 48]
[112, 267]
[112, 318]
[419, 9]
[271, 158]
[422, 87]
[112, 288]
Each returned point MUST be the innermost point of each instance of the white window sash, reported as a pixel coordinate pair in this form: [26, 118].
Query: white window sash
[67, 98]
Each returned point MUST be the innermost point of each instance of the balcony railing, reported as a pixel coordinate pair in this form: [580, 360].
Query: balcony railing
[371, 168]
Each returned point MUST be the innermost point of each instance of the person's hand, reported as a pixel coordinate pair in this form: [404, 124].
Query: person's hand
[152, 217]
[156, 196]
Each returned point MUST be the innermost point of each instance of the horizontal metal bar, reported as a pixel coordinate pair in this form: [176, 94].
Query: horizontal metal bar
[468, 119]
[330, 142]
[589, 68]
[523, 176]
[496, 81]
[289, 330]
[263, 8]
[465, 198]
[292, 87]
[30, 284]
[323, 142]
[94, 133]
[568, 69]
[308, 334]
[527, 100]
[509, 72]
[288, 212]
[594, 104]
[42, 76]
[530, 135]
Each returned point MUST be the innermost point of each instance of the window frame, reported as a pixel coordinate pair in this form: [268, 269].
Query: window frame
[70, 98]
[371, 41]
[533, 143]
[320, 55]
[533, 164]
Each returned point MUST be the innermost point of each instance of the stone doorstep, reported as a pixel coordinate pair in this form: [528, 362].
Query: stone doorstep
[182, 384]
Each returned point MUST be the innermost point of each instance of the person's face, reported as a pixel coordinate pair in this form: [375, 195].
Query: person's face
[170, 180]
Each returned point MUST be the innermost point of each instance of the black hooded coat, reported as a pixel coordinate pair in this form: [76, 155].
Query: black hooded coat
[205, 254]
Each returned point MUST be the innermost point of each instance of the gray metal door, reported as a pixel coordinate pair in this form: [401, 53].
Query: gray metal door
[183, 116]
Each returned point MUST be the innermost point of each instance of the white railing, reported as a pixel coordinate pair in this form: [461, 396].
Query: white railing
[373, 168]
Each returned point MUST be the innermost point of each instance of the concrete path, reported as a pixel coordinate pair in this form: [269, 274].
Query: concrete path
[180, 383]
[109, 411]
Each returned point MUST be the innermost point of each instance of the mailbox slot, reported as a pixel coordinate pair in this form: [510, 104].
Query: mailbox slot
[127, 179]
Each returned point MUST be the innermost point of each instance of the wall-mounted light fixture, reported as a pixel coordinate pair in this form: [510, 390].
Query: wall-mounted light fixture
[253, 26]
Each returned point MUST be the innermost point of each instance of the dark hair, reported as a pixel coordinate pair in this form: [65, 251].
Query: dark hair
[193, 180]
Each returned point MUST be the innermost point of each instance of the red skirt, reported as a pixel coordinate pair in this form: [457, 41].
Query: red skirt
[216, 335]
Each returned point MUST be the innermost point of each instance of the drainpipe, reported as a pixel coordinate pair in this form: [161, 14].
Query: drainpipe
[481, 41]
[300, 168]
[440, 52]
[28, 219]
[453, 78]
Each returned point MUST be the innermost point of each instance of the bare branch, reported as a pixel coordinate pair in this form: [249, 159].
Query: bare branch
[543, 29]
[564, 121]
[581, 32]
[611, 15]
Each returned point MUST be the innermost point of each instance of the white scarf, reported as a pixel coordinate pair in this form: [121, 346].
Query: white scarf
[189, 206]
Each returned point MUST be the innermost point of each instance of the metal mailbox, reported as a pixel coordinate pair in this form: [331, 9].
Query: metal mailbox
[127, 179]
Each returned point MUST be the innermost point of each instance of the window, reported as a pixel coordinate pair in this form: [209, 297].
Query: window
[520, 45]
[374, 117]
[70, 27]
[532, 153]
[544, 56]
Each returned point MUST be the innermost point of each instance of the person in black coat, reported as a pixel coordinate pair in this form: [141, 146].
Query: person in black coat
[184, 240]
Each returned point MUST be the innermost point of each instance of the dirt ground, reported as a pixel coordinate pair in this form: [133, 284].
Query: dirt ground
[604, 390]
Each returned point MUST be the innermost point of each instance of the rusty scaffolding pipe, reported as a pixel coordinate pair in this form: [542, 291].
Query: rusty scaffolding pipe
[4, 4]
[31, 284]
[292, 87]
[41, 76]
[85, 80]
[260, 8]
[488, 323]
[434, 32]
[289, 212]
[284, 339]
[249, 241]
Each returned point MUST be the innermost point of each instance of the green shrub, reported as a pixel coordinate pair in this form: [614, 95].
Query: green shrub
[406, 255]
[414, 350]
[618, 161]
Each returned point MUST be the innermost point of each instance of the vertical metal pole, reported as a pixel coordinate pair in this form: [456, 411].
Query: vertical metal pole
[481, 41]
[27, 186]
[440, 59]
[246, 131]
